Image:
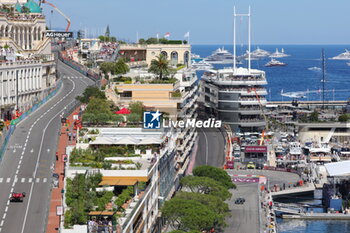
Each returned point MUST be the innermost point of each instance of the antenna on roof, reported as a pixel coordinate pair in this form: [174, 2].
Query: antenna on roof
[234, 37]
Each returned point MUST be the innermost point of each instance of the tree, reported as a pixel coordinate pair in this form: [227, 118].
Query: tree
[107, 67]
[213, 202]
[205, 185]
[344, 118]
[90, 92]
[137, 107]
[152, 40]
[188, 215]
[117, 118]
[160, 66]
[120, 67]
[89, 118]
[133, 118]
[97, 106]
[142, 41]
[103, 117]
[314, 116]
[217, 174]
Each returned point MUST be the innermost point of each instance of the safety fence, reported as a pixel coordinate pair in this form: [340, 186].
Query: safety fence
[8, 130]
[80, 68]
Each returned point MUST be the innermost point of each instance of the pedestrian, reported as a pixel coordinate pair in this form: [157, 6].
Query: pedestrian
[74, 136]
[69, 136]
[91, 225]
[110, 227]
[56, 156]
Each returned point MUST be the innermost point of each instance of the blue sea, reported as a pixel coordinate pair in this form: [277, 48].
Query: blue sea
[296, 77]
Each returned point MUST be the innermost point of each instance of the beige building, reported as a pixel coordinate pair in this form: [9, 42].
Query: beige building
[157, 96]
[176, 53]
[27, 70]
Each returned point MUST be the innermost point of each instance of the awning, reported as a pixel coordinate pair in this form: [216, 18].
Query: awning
[338, 169]
[118, 182]
[103, 213]
[123, 111]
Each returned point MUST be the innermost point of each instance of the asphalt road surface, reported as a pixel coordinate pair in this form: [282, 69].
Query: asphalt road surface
[211, 146]
[245, 217]
[26, 165]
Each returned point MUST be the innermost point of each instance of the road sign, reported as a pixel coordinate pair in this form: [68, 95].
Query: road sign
[59, 210]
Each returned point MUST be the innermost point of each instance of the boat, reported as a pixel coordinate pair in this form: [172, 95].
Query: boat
[255, 55]
[295, 148]
[348, 63]
[195, 56]
[274, 62]
[201, 65]
[318, 69]
[279, 54]
[342, 56]
[220, 56]
[259, 53]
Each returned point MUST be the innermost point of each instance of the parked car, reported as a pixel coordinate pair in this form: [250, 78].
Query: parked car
[251, 165]
[55, 180]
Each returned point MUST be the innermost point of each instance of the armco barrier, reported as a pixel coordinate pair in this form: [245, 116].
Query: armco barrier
[12, 127]
[80, 68]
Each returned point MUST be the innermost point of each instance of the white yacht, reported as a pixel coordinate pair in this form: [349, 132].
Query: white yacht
[195, 56]
[279, 54]
[260, 53]
[255, 55]
[220, 56]
[342, 56]
[201, 65]
[314, 68]
[274, 62]
[295, 148]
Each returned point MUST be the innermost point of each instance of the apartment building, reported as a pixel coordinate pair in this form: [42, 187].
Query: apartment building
[27, 69]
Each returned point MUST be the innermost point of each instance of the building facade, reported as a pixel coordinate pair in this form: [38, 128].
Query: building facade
[27, 70]
[175, 53]
[236, 97]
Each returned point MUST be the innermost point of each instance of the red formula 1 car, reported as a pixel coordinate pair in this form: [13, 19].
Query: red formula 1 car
[17, 197]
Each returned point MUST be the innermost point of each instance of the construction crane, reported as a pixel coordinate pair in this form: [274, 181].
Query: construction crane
[263, 113]
[59, 11]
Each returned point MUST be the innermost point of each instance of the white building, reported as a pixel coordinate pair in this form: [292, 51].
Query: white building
[27, 68]
[157, 170]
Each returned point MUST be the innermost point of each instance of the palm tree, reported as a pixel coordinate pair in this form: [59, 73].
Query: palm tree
[160, 66]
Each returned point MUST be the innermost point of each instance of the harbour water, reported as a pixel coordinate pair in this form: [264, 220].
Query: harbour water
[296, 76]
[311, 226]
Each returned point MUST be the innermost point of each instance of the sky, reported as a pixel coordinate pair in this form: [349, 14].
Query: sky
[210, 21]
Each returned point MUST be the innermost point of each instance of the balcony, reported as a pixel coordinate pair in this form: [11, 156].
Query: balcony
[243, 111]
[244, 91]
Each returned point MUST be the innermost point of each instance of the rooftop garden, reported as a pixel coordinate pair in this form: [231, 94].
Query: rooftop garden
[344, 118]
[96, 158]
[82, 196]
[100, 111]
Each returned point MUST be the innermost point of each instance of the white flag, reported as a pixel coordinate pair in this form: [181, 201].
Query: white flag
[187, 35]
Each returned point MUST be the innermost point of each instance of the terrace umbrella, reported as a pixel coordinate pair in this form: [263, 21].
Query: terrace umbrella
[123, 111]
